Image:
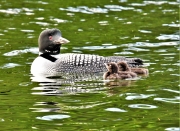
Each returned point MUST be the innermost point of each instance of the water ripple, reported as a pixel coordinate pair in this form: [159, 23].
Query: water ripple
[145, 44]
[173, 129]
[40, 18]
[96, 47]
[37, 2]
[52, 117]
[170, 90]
[142, 106]
[45, 109]
[85, 9]
[11, 11]
[41, 23]
[33, 50]
[115, 110]
[15, 11]
[172, 25]
[148, 2]
[27, 30]
[168, 10]
[169, 100]
[118, 8]
[9, 65]
[124, 53]
[155, 2]
[133, 96]
[145, 31]
[42, 2]
[58, 20]
[103, 22]
[170, 37]
[88, 10]
[136, 49]
[25, 84]
[137, 4]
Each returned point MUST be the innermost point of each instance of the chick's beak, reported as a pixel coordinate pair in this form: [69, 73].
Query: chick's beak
[61, 40]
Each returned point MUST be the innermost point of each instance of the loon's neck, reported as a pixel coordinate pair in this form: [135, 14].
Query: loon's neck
[47, 56]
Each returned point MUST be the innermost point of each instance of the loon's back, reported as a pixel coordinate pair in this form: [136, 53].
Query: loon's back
[72, 62]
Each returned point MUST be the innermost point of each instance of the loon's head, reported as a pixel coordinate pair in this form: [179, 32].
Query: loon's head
[50, 41]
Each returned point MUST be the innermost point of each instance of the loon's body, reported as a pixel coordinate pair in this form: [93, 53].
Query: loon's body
[51, 62]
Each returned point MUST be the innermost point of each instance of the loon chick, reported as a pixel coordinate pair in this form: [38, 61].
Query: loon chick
[123, 68]
[113, 72]
[141, 71]
[51, 62]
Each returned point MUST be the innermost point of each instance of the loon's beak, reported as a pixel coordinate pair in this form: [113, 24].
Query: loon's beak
[61, 40]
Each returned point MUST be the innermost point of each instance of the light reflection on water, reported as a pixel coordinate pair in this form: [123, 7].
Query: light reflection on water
[142, 106]
[52, 117]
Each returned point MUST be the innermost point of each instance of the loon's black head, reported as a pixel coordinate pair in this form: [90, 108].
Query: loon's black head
[50, 41]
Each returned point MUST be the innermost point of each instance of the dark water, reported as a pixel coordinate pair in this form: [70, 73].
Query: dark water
[144, 29]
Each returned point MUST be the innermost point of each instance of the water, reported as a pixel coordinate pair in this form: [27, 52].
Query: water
[144, 29]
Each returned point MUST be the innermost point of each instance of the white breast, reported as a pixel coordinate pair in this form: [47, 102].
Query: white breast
[42, 66]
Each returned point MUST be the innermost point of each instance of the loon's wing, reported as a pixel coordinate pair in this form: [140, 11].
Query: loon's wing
[80, 63]
[72, 62]
[132, 62]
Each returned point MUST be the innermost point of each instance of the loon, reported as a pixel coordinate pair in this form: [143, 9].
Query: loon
[114, 73]
[51, 62]
[123, 68]
[141, 71]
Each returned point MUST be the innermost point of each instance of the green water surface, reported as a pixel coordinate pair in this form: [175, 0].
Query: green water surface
[145, 29]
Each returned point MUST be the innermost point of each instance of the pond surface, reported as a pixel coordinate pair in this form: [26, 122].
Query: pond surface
[144, 29]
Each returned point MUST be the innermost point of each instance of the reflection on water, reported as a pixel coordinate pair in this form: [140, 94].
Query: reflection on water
[170, 100]
[76, 84]
[172, 129]
[52, 117]
[9, 65]
[115, 110]
[132, 96]
[142, 106]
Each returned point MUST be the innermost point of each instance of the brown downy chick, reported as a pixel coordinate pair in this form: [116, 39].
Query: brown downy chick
[141, 71]
[123, 68]
[113, 72]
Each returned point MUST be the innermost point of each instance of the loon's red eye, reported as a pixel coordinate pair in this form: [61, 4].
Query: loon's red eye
[50, 37]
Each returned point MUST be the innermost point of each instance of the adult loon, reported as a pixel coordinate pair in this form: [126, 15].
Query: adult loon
[50, 62]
